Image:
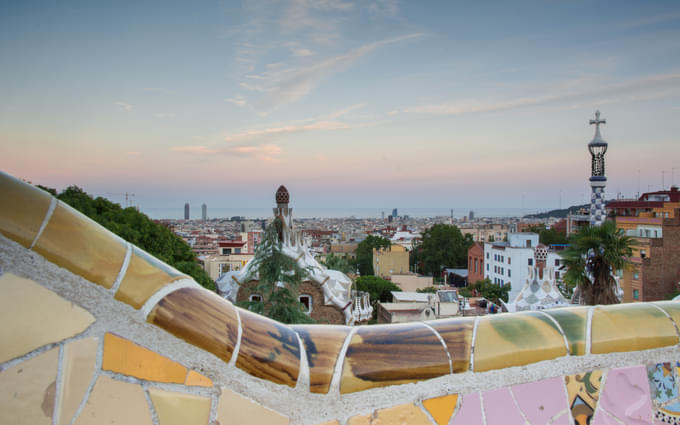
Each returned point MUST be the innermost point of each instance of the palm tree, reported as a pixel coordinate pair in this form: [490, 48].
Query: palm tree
[594, 253]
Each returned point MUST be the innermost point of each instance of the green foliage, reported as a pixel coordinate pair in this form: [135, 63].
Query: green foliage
[549, 236]
[427, 290]
[465, 292]
[443, 245]
[491, 291]
[364, 257]
[138, 229]
[378, 288]
[594, 253]
[336, 262]
[278, 278]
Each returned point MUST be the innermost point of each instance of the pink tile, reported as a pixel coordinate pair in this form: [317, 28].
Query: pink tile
[541, 400]
[601, 418]
[500, 409]
[469, 412]
[562, 420]
[626, 395]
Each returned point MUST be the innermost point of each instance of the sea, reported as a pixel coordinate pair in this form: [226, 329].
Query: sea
[258, 213]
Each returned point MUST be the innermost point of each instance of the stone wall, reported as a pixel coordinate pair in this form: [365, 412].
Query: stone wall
[98, 332]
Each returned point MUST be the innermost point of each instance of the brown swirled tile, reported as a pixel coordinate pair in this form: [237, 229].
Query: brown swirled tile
[79, 244]
[201, 318]
[144, 276]
[384, 355]
[457, 334]
[269, 350]
[322, 345]
[22, 209]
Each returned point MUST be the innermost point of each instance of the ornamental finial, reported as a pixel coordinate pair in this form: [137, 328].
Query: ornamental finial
[597, 121]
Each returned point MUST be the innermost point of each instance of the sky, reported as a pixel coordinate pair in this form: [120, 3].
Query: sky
[375, 103]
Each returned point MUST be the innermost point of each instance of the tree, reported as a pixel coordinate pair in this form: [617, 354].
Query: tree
[364, 251]
[549, 236]
[427, 290]
[444, 245]
[594, 253]
[138, 229]
[278, 278]
[379, 289]
[491, 291]
[336, 262]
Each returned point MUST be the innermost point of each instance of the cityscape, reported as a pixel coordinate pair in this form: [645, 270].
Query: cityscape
[340, 212]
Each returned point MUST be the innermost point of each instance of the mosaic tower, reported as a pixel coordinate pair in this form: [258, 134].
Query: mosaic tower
[598, 181]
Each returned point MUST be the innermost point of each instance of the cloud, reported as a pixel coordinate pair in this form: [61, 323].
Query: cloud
[647, 87]
[124, 106]
[388, 8]
[301, 52]
[237, 100]
[268, 152]
[284, 85]
[254, 135]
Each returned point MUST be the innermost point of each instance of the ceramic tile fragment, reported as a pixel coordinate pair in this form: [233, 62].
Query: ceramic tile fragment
[127, 358]
[626, 395]
[115, 403]
[583, 390]
[602, 418]
[144, 276]
[662, 382]
[235, 409]
[542, 400]
[469, 412]
[403, 414]
[200, 317]
[329, 423]
[672, 308]
[78, 369]
[563, 420]
[180, 409]
[33, 316]
[630, 327]
[441, 408]
[457, 335]
[669, 414]
[322, 346]
[22, 210]
[197, 380]
[80, 245]
[360, 420]
[27, 390]
[500, 409]
[516, 339]
[573, 321]
[269, 349]
[382, 355]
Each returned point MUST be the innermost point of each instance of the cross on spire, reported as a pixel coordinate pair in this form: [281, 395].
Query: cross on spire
[597, 121]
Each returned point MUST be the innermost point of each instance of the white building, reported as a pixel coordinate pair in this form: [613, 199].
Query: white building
[508, 263]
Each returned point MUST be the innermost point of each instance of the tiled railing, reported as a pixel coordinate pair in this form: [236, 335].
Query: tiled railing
[327, 361]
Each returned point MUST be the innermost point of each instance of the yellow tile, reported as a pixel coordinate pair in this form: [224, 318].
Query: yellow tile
[329, 423]
[125, 357]
[672, 308]
[27, 390]
[180, 409]
[22, 209]
[196, 379]
[516, 339]
[573, 321]
[77, 243]
[79, 363]
[235, 409]
[630, 327]
[115, 403]
[33, 316]
[145, 275]
[441, 408]
[360, 420]
[404, 414]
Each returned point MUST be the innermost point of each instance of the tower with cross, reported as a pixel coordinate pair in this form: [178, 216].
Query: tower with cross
[598, 181]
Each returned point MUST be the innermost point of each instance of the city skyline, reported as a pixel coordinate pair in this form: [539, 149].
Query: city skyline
[349, 104]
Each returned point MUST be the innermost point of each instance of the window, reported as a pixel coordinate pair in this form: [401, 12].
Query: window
[487, 267]
[636, 275]
[226, 251]
[557, 262]
[557, 275]
[643, 253]
[636, 294]
[531, 261]
[509, 274]
[487, 255]
[509, 260]
[306, 300]
[255, 298]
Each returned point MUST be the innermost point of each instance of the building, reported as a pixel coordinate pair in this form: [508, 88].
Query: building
[418, 307]
[411, 282]
[597, 148]
[391, 260]
[204, 212]
[217, 265]
[394, 213]
[653, 221]
[508, 263]
[475, 263]
[486, 232]
[186, 211]
[327, 294]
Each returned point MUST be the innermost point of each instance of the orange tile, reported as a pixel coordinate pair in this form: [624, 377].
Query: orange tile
[441, 408]
[197, 380]
[125, 357]
[22, 210]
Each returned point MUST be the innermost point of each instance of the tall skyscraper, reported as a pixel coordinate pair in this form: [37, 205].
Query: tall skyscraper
[204, 212]
[598, 180]
[394, 213]
[471, 216]
[186, 211]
